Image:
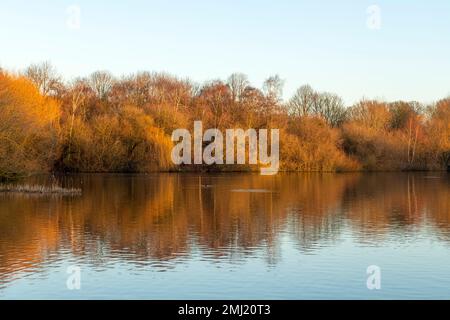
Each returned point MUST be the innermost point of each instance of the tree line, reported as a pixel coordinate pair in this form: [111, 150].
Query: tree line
[101, 123]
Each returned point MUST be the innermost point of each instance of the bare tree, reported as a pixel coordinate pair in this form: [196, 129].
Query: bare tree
[101, 82]
[45, 77]
[77, 100]
[301, 104]
[237, 83]
[331, 108]
[327, 105]
[273, 88]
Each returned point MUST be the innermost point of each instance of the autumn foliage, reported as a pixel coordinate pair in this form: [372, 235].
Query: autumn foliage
[29, 127]
[104, 124]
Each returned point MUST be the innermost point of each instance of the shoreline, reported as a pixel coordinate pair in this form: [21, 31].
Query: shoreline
[253, 172]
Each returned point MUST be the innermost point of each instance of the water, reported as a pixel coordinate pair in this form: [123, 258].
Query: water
[230, 236]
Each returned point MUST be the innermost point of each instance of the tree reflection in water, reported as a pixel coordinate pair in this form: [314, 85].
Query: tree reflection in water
[163, 219]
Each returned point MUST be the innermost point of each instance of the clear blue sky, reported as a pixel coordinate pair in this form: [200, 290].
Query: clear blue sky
[324, 43]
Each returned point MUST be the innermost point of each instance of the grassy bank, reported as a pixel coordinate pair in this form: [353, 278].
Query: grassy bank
[38, 189]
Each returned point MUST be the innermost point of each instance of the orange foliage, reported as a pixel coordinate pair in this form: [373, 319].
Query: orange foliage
[105, 124]
[28, 127]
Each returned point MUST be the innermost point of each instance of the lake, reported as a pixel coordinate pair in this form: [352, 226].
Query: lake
[229, 236]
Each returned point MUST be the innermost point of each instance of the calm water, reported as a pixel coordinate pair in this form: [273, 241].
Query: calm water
[187, 236]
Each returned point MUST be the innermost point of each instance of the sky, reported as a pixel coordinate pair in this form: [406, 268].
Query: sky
[383, 49]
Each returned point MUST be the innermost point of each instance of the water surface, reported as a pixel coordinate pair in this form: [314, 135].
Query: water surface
[220, 236]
